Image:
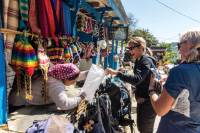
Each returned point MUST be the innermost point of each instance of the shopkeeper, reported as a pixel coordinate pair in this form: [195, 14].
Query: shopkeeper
[60, 76]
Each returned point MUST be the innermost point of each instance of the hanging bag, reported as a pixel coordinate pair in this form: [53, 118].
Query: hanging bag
[24, 58]
[43, 65]
[56, 53]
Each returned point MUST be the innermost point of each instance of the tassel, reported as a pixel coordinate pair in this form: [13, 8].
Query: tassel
[18, 83]
[28, 87]
[45, 91]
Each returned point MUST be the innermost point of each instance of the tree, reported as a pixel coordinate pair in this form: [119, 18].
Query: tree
[171, 54]
[132, 21]
[149, 37]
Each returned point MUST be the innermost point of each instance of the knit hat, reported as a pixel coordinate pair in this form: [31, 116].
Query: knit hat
[64, 71]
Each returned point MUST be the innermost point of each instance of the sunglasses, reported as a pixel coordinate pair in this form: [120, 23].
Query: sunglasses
[133, 47]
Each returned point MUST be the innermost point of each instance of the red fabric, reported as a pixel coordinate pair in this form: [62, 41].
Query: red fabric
[58, 5]
[43, 23]
[33, 20]
[51, 20]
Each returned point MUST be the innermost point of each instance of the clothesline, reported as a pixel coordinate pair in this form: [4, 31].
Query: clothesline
[9, 31]
[85, 15]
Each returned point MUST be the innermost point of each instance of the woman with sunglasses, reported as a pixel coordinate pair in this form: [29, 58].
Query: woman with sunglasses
[179, 102]
[140, 79]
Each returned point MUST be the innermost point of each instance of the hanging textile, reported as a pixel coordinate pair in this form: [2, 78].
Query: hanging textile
[58, 16]
[56, 53]
[67, 53]
[5, 12]
[3, 98]
[80, 23]
[24, 58]
[24, 9]
[95, 29]
[43, 23]
[12, 23]
[67, 19]
[43, 65]
[88, 25]
[51, 19]
[76, 56]
[33, 17]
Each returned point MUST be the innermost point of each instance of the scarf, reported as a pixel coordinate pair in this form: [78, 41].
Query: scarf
[67, 20]
[12, 23]
[24, 9]
[51, 19]
[43, 23]
[33, 17]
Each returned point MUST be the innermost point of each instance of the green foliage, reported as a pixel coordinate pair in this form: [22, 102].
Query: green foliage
[149, 37]
[171, 54]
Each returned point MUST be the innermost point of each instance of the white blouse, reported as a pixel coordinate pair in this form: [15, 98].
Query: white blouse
[57, 94]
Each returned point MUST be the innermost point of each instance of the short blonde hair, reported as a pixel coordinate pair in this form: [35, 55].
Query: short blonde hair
[192, 37]
[138, 42]
[149, 51]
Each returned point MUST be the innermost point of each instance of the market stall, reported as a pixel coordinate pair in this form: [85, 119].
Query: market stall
[38, 34]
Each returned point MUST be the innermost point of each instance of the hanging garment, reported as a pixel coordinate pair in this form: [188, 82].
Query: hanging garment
[43, 23]
[33, 17]
[24, 58]
[95, 29]
[24, 9]
[12, 23]
[67, 19]
[67, 53]
[58, 16]
[51, 20]
[43, 65]
[56, 53]
[89, 28]
[3, 101]
[5, 12]
[80, 23]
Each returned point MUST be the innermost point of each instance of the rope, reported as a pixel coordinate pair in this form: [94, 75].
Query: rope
[9, 31]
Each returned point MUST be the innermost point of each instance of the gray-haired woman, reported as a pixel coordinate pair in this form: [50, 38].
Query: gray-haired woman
[179, 103]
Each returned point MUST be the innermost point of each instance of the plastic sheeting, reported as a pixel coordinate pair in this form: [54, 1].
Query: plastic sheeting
[94, 78]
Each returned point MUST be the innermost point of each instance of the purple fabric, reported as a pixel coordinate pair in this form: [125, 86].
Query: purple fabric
[63, 71]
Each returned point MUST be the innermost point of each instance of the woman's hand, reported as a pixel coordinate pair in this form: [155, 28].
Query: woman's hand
[155, 85]
[83, 95]
[110, 71]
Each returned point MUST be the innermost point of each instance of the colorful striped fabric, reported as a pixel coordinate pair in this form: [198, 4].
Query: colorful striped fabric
[24, 56]
[5, 12]
[12, 23]
[24, 8]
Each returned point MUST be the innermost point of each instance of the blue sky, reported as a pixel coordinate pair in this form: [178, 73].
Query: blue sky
[163, 23]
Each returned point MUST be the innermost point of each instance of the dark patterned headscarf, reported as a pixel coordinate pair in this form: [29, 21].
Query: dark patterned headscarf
[67, 71]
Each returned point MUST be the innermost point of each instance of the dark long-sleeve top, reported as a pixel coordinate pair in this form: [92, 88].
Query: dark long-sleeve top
[141, 76]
